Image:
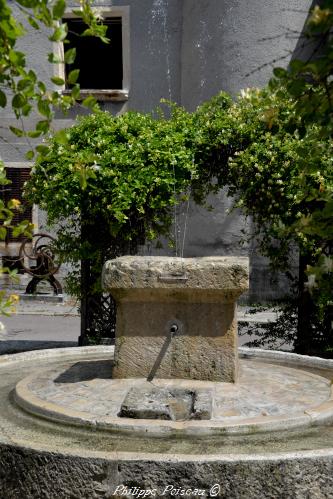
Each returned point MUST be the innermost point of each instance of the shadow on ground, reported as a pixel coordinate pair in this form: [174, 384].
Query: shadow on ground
[17, 346]
[85, 371]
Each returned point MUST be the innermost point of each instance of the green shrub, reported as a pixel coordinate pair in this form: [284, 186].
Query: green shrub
[109, 183]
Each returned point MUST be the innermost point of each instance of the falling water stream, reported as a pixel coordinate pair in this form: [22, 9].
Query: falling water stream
[159, 19]
[158, 28]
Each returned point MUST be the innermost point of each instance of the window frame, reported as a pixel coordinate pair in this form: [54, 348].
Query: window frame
[113, 95]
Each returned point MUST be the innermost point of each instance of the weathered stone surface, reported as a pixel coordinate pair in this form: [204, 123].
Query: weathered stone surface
[84, 394]
[203, 405]
[226, 276]
[206, 349]
[28, 474]
[152, 402]
[196, 294]
[176, 404]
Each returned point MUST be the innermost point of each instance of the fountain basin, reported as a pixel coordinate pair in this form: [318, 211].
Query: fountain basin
[44, 458]
[85, 394]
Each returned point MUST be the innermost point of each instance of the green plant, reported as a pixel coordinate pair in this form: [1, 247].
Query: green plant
[278, 334]
[25, 94]
[109, 183]
[8, 301]
[283, 179]
[19, 82]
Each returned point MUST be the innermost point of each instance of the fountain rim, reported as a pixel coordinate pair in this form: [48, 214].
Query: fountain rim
[94, 352]
[316, 415]
[67, 353]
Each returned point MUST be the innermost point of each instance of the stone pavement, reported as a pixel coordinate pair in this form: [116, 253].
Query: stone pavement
[67, 307]
[40, 324]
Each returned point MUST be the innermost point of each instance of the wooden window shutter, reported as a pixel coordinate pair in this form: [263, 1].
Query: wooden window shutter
[17, 176]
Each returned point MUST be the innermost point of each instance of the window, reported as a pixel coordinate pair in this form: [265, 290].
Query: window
[17, 176]
[104, 68]
[92, 55]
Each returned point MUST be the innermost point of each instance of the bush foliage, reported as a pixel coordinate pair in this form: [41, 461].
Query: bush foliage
[115, 177]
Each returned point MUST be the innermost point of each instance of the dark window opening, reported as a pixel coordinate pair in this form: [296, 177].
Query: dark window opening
[100, 64]
[17, 176]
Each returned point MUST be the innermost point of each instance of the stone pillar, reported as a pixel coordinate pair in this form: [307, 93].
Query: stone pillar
[176, 317]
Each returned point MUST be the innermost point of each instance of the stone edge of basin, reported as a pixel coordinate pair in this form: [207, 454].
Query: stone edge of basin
[141, 272]
[98, 350]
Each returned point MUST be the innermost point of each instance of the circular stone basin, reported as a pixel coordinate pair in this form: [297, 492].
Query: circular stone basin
[42, 457]
[267, 397]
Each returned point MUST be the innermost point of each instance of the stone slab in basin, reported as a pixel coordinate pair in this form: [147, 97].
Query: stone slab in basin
[148, 401]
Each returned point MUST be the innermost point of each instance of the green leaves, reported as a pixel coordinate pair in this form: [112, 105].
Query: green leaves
[280, 72]
[51, 57]
[122, 172]
[16, 58]
[75, 92]
[73, 76]
[59, 9]
[25, 93]
[17, 131]
[89, 102]
[32, 22]
[44, 108]
[3, 233]
[70, 56]
[42, 150]
[25, 227]
[57, 81]
[59, 33]
[24, 84]
[19, 100]
[30, 155]
[61, 137]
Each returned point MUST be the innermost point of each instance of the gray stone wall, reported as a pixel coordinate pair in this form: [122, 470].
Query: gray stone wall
[44, 475]
[187, 51]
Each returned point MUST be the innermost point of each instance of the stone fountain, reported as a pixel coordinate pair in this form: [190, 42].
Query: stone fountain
[175, 320]
[178, 312]
[173, 409]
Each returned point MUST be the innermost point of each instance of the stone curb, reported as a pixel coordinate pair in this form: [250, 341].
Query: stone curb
[9, 347]
[293, 358]
[48, 313]
[64, 353]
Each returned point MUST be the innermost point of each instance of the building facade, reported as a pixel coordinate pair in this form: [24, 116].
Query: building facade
[185, 51]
